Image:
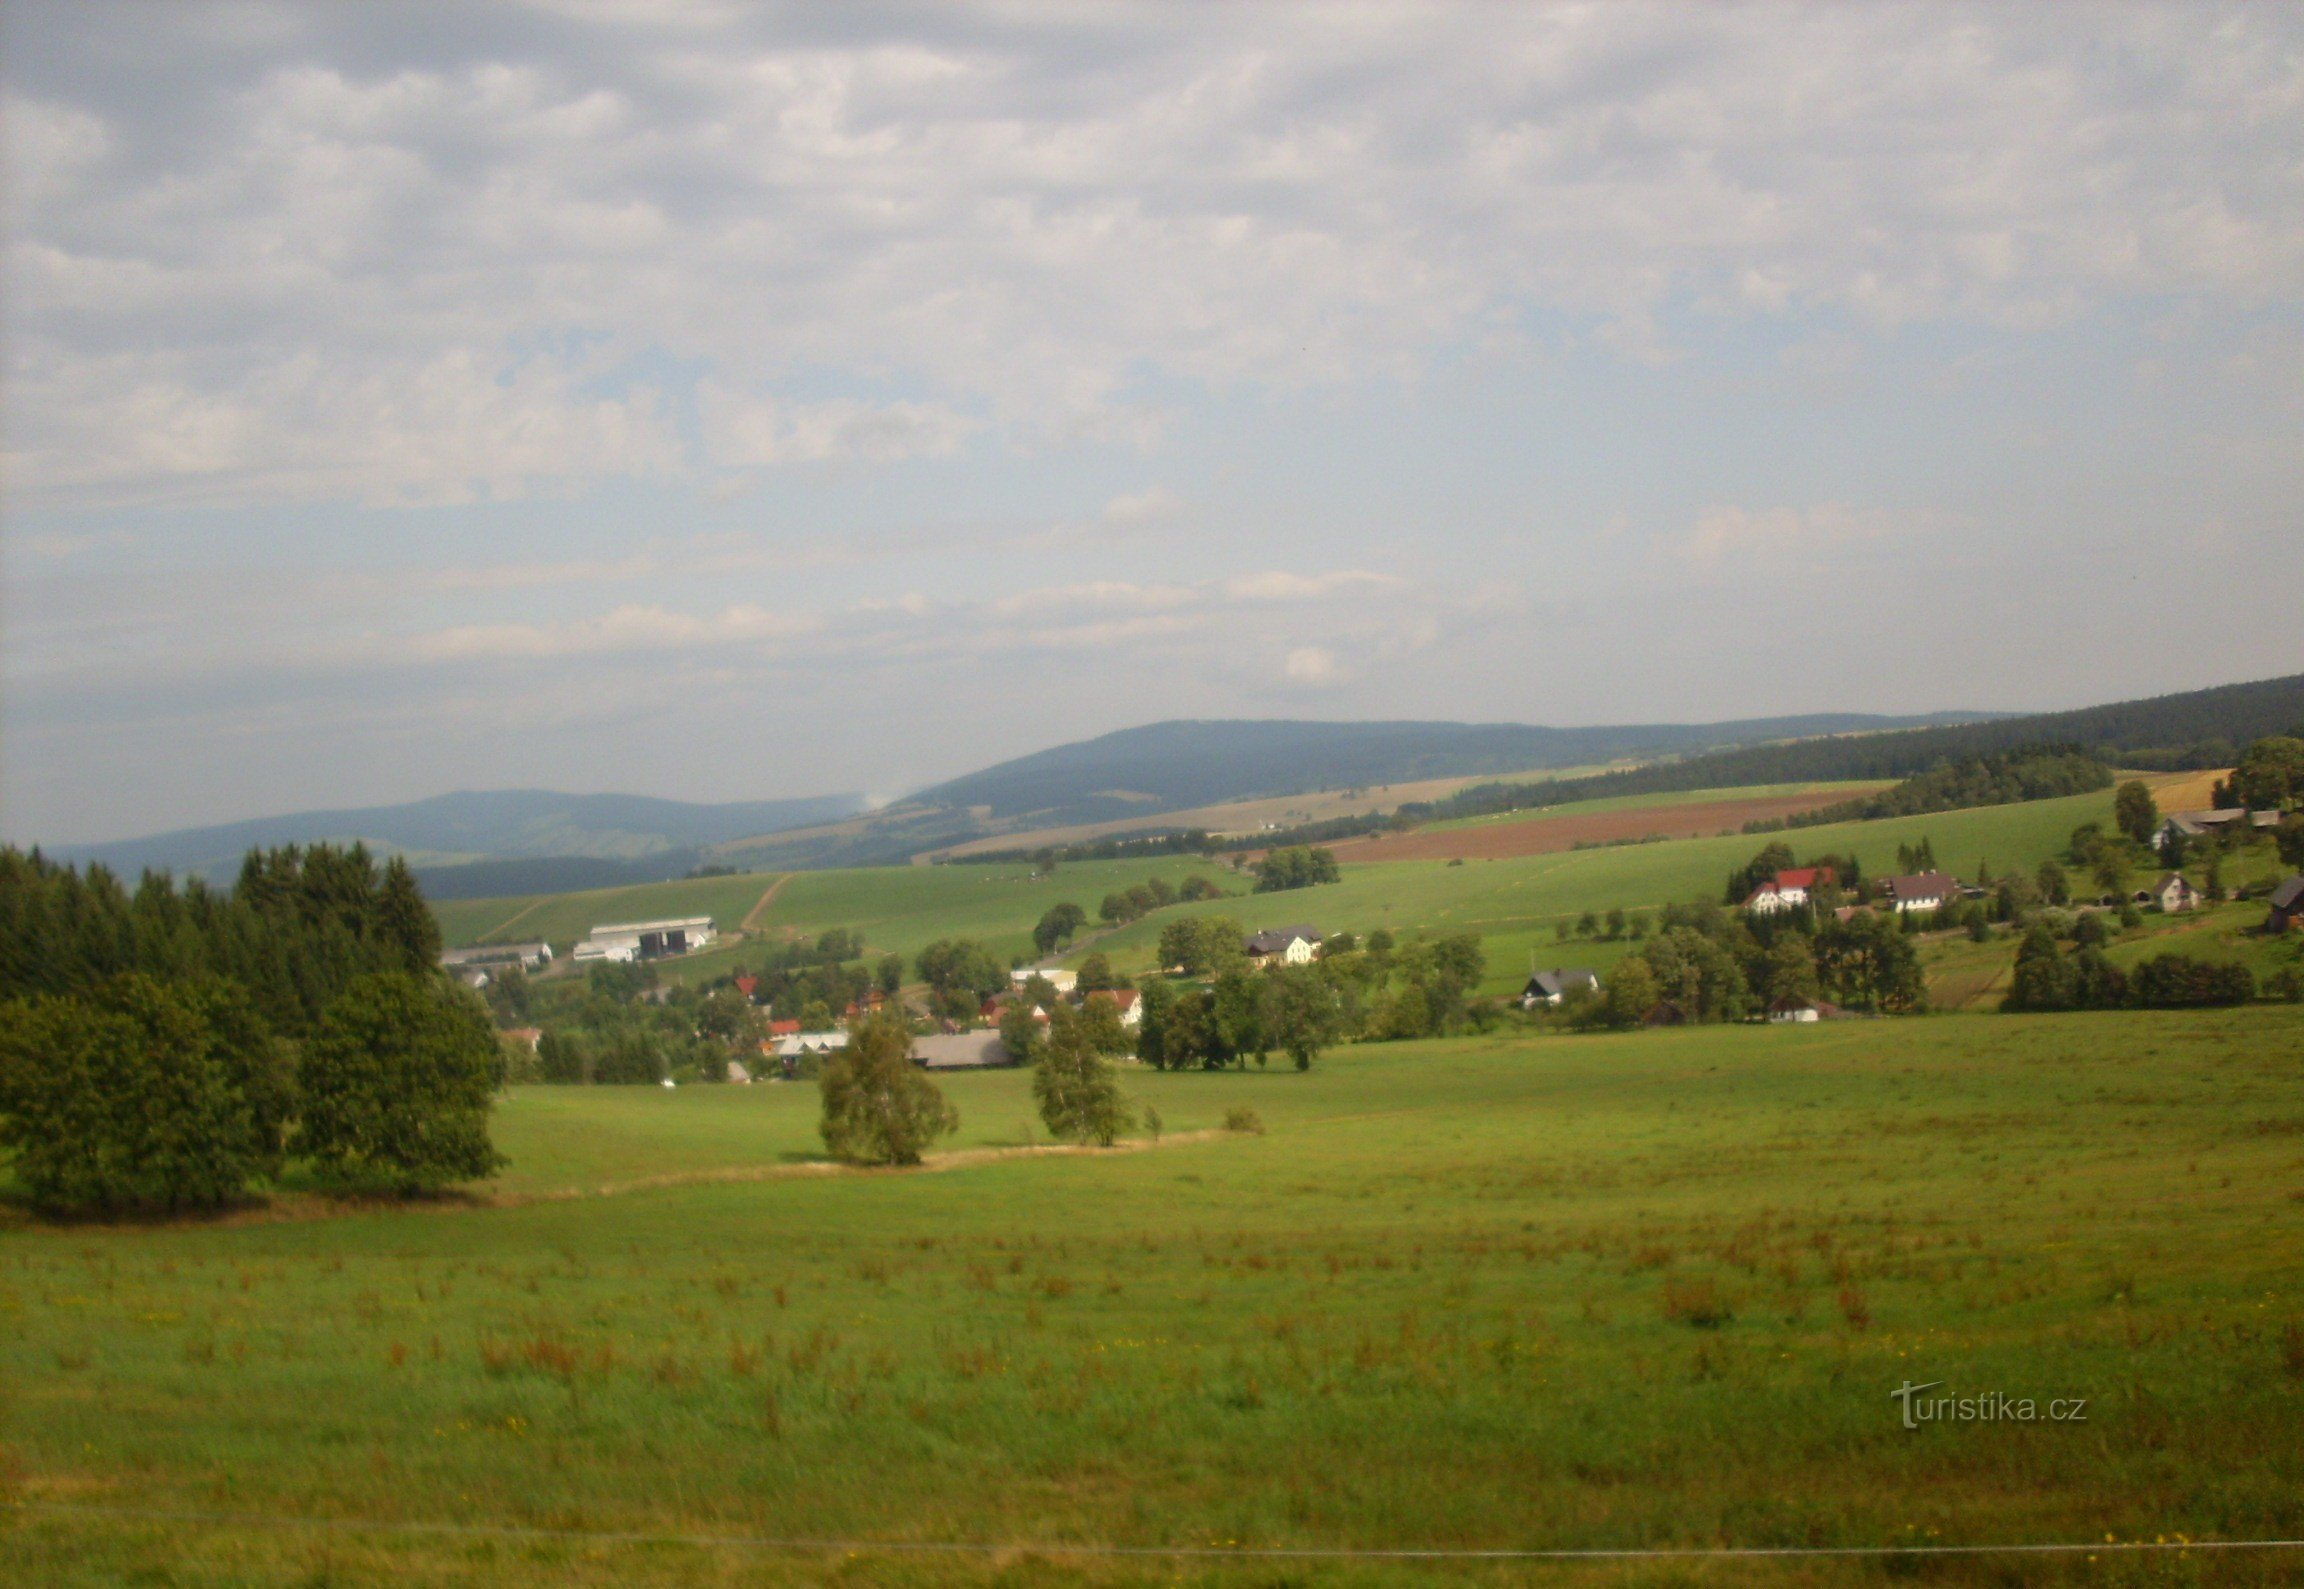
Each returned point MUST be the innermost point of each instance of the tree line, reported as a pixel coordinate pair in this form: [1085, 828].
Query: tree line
[2036, 772]
[172, 1047]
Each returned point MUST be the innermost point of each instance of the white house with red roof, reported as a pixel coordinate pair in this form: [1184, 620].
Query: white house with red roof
[1788, 890]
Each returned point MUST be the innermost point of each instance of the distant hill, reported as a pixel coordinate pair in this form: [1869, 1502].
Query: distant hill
[2197, 728]
[1176, 765]
[651, 838]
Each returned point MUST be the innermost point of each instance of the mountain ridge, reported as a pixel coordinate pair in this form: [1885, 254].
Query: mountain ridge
[475, 826]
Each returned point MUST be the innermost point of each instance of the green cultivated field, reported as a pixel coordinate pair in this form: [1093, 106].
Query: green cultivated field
[561, 919]
[1514, 903]
[896, 908]
[1649, 1290]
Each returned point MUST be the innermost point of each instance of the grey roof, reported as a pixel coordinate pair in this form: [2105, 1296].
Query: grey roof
[495, 953]
[1559, 983]
[961, 1050]
[2289, 894]
[1923, 885]
[1274, 939]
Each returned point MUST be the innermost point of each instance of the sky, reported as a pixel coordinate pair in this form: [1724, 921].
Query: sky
[727, 401]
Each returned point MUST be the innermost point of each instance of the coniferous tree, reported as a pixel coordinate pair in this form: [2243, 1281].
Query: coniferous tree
[406, 923]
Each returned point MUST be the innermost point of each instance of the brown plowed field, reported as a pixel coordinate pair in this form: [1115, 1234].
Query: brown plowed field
[1542, 835]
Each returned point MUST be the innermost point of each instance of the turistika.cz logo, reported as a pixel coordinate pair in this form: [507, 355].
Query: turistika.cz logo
[1990, 1407]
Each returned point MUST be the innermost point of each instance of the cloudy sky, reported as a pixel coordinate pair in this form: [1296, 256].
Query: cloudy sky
[730, 401]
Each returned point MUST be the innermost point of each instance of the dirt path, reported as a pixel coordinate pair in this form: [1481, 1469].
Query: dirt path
[751, 921]
[508, 922]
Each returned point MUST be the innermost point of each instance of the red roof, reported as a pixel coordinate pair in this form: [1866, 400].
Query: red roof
[745, 985]
[783, 1028]
[1803, 877]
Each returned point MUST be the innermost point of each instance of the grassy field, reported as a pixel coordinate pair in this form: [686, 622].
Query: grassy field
[895, 908]
[1974, 976]
[1650, 1290]
[1516, 903]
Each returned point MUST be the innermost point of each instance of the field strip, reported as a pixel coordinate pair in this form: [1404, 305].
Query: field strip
[752, 917]
[959, 1159]
[506, 924]
[959, 1547]
[297, 1207]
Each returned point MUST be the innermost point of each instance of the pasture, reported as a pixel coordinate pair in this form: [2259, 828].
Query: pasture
[1514, 902]
[1647, 1290]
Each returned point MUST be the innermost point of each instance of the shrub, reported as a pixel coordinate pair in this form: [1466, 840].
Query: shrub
[397, 1083]
[1696, 1302]
[1241, 1119]
[2171, 981]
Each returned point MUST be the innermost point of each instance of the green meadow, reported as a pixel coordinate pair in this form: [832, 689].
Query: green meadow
[1514, 903]
[1526, 1292]
[899, 909]
[1517, 903]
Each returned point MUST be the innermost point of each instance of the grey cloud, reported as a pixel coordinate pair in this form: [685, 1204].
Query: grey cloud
[298, 247]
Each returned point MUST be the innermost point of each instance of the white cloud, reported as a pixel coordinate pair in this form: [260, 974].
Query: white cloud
[1314, 667]
[1280, 585]
[753, 432]
[1725, 533]
[623, 629]
[1142, 509]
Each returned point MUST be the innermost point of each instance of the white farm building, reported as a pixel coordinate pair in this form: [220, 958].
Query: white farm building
[645, 940]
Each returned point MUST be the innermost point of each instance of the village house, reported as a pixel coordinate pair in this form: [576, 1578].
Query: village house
[474, 966]
[2171, 894]
[1551, 987]
[1788, 890]
[1061, 981]
[2200, 824]
[961, 1051]
[1294, 946]
[1125, 1001]
[2287, 904]
[1787, 1012]
[1921, 891]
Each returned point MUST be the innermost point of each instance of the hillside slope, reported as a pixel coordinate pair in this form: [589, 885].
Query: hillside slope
[1167, 766]
[480, 825]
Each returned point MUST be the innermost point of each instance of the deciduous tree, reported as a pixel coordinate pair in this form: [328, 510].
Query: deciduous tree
[396, 1086]
[880, 1108]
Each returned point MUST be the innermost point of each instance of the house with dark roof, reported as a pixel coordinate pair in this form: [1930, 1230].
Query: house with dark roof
[2173, 893]
[1550, 988]
[2199, 824]
[1921, 891]
[1295, 946]
[2287, 906]
[961, 1051]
